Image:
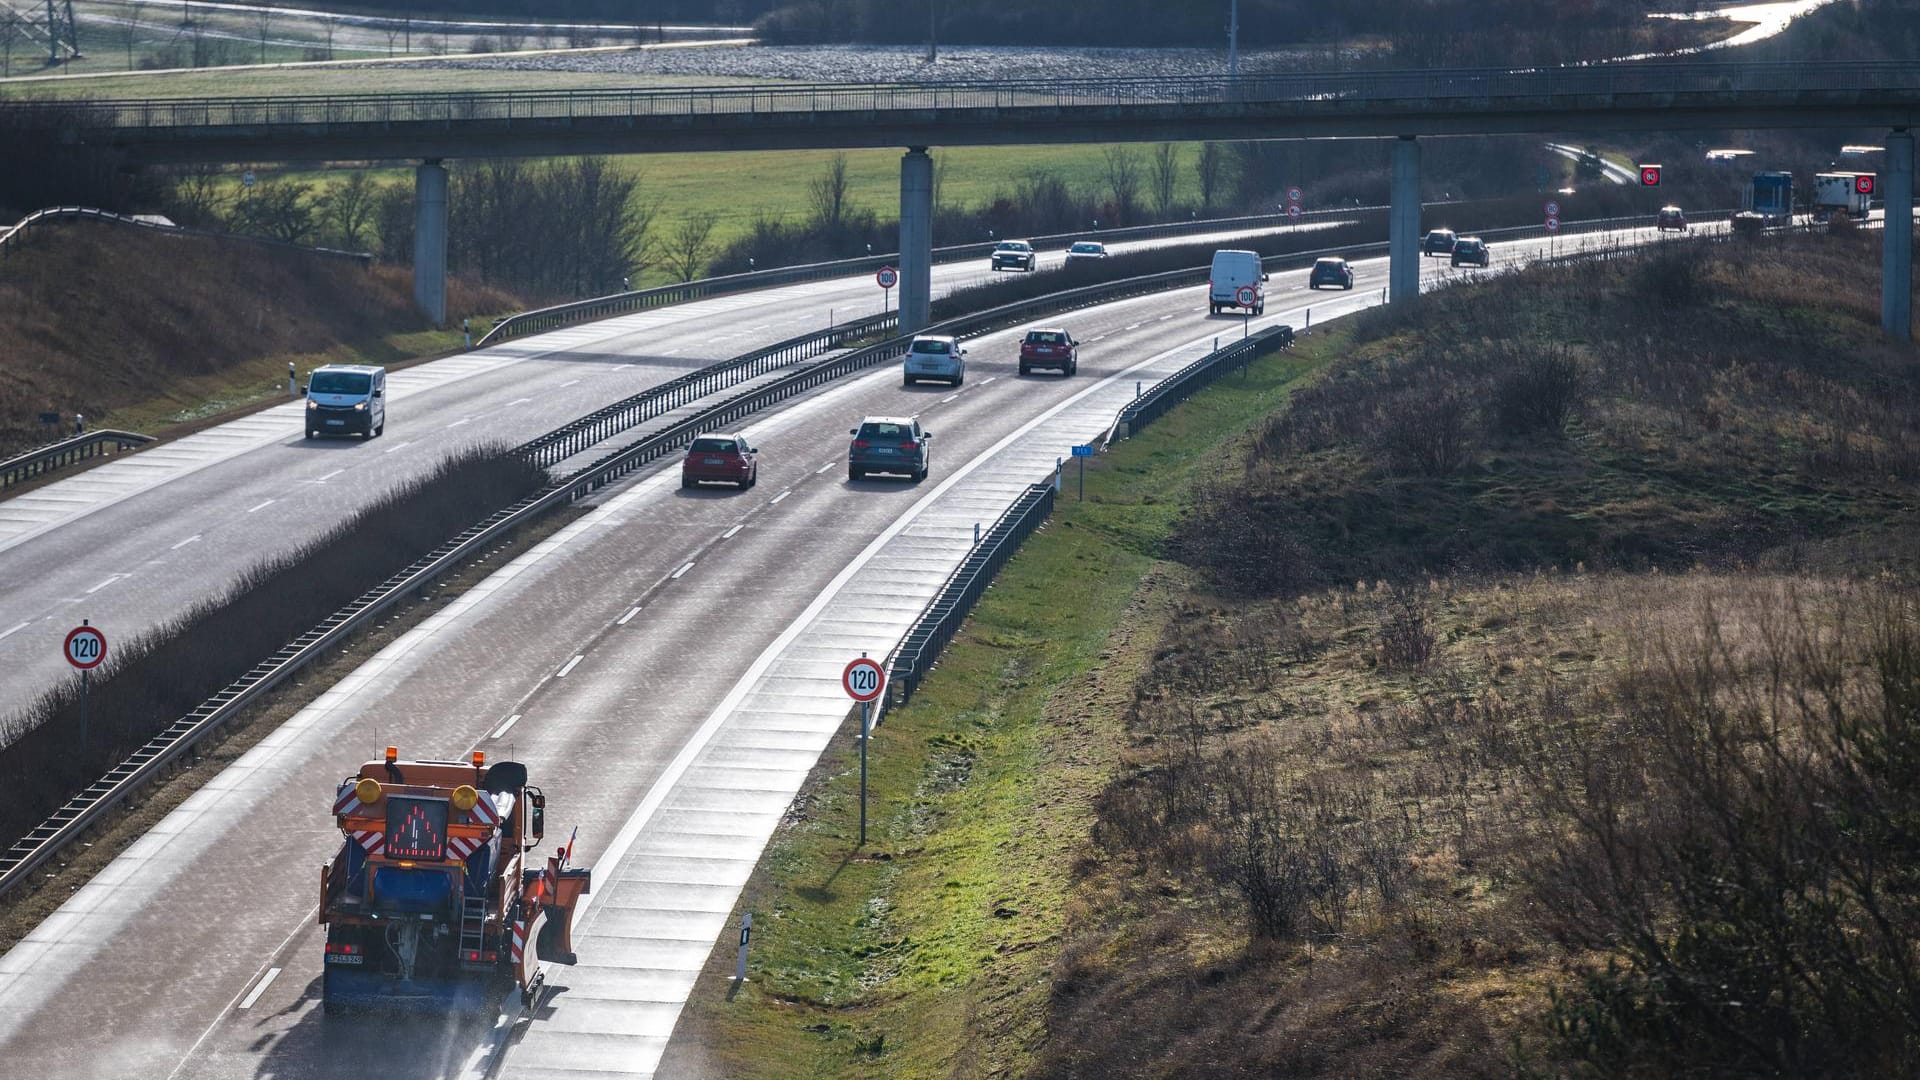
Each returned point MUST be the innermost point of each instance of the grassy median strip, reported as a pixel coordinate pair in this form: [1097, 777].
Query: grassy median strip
[932, 947]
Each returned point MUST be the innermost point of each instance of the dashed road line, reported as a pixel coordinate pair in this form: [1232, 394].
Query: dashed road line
[574, 382]
[570, 665]
[502, 729]
[628, 617]
[988, 379]
[828, 467]
[518, 401]
[262, 506]
[14, 629]
[457, 423]
[260, 988]
[194, 539]
[110, 580]
[948, 398]
[396, 448]
[728, 535]
[777, 498]
[329, 476]
[676, 574]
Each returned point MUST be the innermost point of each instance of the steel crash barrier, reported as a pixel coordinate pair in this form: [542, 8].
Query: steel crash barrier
[36, 463]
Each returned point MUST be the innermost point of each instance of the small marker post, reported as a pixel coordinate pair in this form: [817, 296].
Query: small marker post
[746, 931]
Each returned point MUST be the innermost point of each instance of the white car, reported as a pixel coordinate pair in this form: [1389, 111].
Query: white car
[935, 357]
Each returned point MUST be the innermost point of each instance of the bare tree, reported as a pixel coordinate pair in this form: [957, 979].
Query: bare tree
[1166, 176]
[1122, 174]
[263, 22]
[393, 35]
[691, 246]
[1210, 169]
[130, 29]
[195, 195]
[511, 39]
[939, 179]
[329, 23]
[279, 209]
[828, 195]
[347, 210]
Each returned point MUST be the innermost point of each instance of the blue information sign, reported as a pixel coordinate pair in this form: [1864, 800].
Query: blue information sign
[1083, 451]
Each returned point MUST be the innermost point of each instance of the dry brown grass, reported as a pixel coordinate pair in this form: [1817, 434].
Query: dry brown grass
[1410, 798]
[130, 326]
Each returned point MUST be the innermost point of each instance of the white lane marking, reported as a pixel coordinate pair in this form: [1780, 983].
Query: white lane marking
[194, 539]
[502, 729]
[518, 401]
[1165, 317]
[396, 448]
[260, 988]
[111, 578]
[676, 574]
[617, 367]
[571, 664]
[564, 385]
[1135, 326]
[457, 423]
[776, 499]
[825, 468]
[262, 506]
[948, 398]
[988, 379]
[329, 476]
[14, 629]
[1102, 337]
[628, 617]
[728, 535]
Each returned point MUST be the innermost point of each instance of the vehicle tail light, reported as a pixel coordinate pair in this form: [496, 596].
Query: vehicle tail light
[343, 949]
[859, 444]
[909, 446]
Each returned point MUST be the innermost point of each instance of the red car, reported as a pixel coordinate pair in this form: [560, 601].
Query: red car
[1049, 348]
[725, 458]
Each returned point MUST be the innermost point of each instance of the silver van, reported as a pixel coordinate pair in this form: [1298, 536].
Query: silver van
[346, 399]
[1233, 271]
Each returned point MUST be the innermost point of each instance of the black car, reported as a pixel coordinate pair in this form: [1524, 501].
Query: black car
[1470, 251]
[1330, 271]
[1013, 255]
[1437, 242]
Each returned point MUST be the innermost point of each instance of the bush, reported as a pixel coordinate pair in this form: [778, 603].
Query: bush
[1539, 393]
[1428, 435]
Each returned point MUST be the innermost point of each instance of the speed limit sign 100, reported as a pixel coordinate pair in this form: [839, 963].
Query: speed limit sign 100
[863, 680]
[86, 646]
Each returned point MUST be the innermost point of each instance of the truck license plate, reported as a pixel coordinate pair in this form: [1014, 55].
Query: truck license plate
[344, 958]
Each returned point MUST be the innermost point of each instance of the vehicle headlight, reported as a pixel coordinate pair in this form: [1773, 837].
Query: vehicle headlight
[359, 406]
[312, 404]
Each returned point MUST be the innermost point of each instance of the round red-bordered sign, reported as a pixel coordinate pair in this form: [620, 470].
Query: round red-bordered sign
[1863, 184]
[1294, 194]
[888, 277]
[1553, 224]
[85, 647]
[1245, 296]
[864, 680]
[1553, 209]
[1293, 211]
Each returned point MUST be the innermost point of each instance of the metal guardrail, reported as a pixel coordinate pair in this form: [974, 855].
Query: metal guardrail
[1334, 90]
[36, 463]
[18, 232]
[914, 656]
[1196, 376]
[602, 307]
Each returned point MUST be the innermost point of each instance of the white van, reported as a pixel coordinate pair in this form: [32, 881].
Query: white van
[1231, 271]
[346, 399]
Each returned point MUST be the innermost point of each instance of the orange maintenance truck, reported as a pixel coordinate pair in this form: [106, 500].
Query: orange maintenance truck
[438, 897]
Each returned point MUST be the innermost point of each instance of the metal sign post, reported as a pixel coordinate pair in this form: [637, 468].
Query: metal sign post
[1245, 295]
[864, 681]
[1080, 454]
[85, 648]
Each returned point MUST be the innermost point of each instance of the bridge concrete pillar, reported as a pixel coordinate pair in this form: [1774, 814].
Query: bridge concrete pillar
[1403, 224]
[1896, 241]
[916, 239]
[430, 240]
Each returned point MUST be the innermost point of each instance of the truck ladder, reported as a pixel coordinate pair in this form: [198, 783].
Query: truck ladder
[473, 925]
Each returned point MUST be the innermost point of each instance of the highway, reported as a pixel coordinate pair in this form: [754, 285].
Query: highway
[666, 666]
[137, 541]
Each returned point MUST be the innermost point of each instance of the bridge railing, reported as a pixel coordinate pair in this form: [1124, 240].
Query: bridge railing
[18, 233]
[1334, 90]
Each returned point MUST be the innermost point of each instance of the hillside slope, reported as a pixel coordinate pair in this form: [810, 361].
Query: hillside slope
[140, 329]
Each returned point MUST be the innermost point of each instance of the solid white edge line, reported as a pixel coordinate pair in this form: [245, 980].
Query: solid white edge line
[502, 729]
[570, 665]
[624, 619]
[259, 988]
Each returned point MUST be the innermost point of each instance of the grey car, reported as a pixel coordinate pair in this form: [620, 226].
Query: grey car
[889, 444]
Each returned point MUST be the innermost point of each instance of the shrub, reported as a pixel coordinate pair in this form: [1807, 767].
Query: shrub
[1538, 393]
[1428, 435]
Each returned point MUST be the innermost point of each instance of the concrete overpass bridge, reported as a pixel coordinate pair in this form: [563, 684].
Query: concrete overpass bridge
[1401, 106]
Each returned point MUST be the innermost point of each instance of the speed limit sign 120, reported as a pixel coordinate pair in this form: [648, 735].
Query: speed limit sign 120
[863, 680]
[86, 646]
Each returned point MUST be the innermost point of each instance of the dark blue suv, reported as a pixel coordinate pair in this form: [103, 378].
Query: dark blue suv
[889, 444]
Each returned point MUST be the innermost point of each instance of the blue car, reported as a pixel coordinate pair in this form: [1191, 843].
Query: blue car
[889, 444]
